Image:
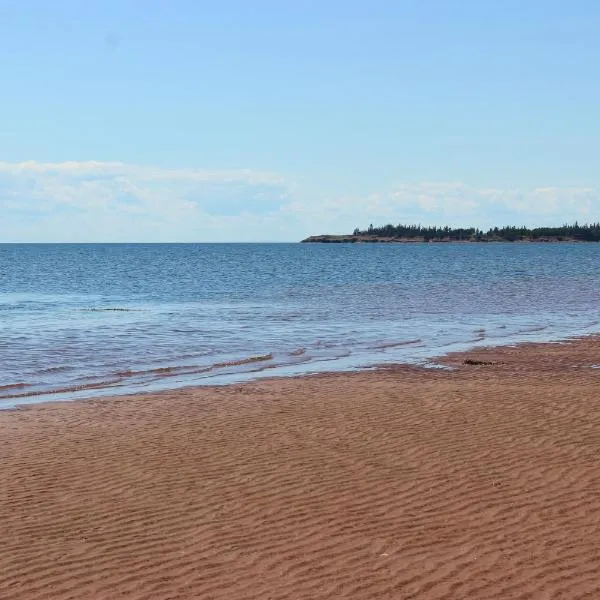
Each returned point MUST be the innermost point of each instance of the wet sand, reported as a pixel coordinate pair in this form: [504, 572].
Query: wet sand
[477, 483]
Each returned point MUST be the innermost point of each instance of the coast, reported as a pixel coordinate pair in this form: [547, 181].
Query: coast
[479, 481]
[377, 239]
[416, 233]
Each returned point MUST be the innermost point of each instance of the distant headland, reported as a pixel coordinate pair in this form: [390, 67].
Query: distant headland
[416, 234]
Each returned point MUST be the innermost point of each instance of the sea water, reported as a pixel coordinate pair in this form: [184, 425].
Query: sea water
[83, 320]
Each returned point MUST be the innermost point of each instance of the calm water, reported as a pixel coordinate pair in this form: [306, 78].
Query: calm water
[85, 320]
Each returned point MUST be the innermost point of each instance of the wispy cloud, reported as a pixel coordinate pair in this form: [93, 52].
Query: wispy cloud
[115, 169]
[96, 199]
[454, 203]
[459, 201]
[112, 201]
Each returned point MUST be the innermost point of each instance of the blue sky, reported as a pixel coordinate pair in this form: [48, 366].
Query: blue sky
[269, 120]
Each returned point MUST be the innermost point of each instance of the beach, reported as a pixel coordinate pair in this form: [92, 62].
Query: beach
[480, 481]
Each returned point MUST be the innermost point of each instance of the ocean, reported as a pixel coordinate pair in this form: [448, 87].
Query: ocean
[86, 320]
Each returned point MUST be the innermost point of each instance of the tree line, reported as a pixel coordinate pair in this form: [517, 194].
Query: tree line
[584, 233]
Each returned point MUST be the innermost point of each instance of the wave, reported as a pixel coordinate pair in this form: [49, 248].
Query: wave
[386, 345]
[66, 389]
[532, 329]
[130, 376]
[244, 361]
[298, 352]
[14, 386]
[116, 309]
[60, 369]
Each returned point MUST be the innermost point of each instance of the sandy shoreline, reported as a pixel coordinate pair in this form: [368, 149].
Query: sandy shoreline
[401, 483]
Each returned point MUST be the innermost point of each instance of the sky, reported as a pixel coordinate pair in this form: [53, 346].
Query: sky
[272, 120]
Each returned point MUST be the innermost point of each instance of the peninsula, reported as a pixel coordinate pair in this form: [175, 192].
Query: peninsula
[417, 233]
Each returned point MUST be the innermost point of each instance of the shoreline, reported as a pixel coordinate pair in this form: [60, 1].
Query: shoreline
[479, 481]
[364, 239]
[242, 377]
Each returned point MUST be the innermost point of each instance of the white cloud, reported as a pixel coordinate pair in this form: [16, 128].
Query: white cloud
[104, 200]
[111, 201]
[458, 199]
[451, 203]
[116, 169]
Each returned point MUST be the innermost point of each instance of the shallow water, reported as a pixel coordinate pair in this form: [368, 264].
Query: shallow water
[86, 320]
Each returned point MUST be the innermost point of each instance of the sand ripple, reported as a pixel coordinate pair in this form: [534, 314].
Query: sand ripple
[479, 483]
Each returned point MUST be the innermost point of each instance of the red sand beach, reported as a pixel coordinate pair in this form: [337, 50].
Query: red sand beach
[482, 482]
